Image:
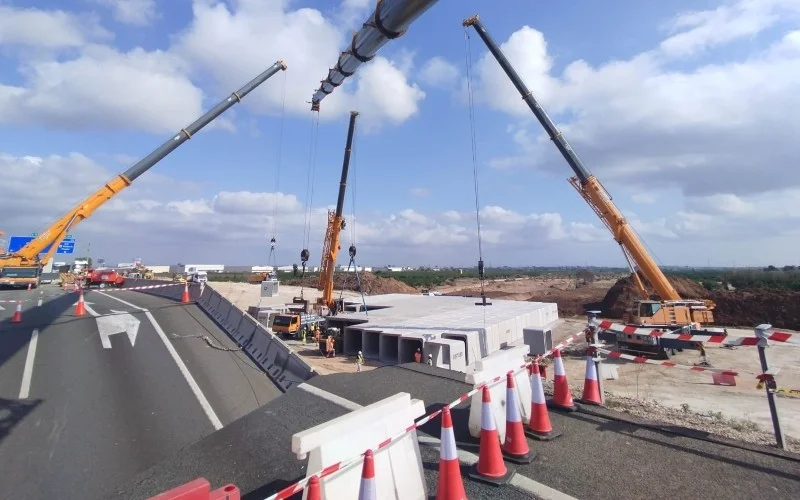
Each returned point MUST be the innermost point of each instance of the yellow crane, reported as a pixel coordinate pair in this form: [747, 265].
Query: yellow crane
[27, 261]
[670, 311]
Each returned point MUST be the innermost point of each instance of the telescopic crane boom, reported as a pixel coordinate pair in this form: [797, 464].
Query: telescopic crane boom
[336, 223]
[389, 20]
[28, 256]
[671, 310]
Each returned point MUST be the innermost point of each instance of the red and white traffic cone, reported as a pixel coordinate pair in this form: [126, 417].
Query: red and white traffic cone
[30, 287]
[539, 427]
[515, 446]
[368, 490]
[17, 317]
[562, 396]
[450, 485]
[80, 307]
[185, 295]
[490, 467]
[591, 387]
[313, 490]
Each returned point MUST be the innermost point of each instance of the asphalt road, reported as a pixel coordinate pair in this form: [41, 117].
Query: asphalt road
[598, 457]
[81, 418]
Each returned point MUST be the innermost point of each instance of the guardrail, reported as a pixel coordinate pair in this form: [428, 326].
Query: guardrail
[283, 366]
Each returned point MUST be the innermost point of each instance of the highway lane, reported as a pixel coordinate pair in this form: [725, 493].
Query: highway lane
[105, 413]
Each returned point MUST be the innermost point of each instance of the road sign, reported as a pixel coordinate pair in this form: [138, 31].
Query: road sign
[16, 243]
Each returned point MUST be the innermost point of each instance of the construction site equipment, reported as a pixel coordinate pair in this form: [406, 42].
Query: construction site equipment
[389, 20]
[669, 311]
[103, 277]
[291, 324]
[28, 257]
[336, 222]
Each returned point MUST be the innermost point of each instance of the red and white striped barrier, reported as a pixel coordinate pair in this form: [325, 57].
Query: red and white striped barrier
[668, 364]
[134, 288]
[711, 338]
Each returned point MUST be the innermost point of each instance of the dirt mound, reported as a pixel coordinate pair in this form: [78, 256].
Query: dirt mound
[371, 284]
[748, 308]
[620, 296]
[476, 292]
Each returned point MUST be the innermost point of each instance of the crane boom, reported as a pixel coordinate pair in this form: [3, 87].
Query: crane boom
[586, 183]
[389, 20]
[330, 251]
[55, 234]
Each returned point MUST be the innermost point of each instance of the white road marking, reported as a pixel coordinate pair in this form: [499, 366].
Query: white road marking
[198, 393]
[27, 372]
[2, 308]
[39, 303]
[329, 396]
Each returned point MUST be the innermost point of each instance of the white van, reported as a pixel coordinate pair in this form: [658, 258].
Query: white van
[198, 277]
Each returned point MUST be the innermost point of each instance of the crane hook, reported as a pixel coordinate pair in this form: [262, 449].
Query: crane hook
[272, 243]
[352, 251]
[304, 255]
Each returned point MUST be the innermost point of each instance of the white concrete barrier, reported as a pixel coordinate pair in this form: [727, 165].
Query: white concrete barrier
[398, 467]
[499, 364]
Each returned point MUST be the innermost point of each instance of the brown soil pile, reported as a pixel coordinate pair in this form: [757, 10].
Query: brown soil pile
[748, 308]
[745, 308]
[570, 302]
[620, 296]
[371, 284]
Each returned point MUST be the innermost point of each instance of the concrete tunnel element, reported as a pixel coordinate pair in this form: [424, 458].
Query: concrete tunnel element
[389, 348]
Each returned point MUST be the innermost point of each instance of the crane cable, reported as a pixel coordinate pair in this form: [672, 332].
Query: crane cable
[272, 260]
[468, 57]
[312, 167]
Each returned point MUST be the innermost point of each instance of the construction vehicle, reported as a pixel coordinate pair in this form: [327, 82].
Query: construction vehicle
[289, 325]
[668, 310]
[336, 222]
[103, 277]
[28, 260]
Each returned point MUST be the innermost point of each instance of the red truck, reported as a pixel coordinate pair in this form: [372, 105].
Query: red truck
[104, 278]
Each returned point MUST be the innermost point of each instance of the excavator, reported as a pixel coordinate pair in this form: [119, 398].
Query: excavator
[668, 310]
[28, 261]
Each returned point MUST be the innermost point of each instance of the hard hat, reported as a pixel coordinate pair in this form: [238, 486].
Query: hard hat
[359, 352]
[419, 350]
[430, 355]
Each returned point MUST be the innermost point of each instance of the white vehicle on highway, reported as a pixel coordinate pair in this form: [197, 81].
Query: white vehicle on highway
[197, 277]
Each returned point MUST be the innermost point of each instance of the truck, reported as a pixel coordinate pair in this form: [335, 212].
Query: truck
[289, 324]
[197, 277]
[20, 276]
[29, 255]
[665, 311]
[103, 277]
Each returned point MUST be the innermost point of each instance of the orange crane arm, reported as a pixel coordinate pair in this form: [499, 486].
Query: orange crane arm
[55, 234]
[330, 251]
[586, 184]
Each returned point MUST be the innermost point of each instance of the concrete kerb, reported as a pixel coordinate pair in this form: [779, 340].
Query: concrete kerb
[266, 349]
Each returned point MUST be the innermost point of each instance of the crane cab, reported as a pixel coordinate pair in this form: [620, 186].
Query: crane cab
[670, 313]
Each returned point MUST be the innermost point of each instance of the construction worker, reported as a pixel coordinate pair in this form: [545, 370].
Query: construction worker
[430, 360]
[359, 361]
[303, 335]
[418, 356]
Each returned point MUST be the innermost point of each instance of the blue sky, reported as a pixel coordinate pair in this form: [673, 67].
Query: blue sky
[654, 98]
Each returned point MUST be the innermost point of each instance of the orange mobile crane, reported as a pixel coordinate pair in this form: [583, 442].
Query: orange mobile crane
[670, 312]
[27, 260]
[331, 246]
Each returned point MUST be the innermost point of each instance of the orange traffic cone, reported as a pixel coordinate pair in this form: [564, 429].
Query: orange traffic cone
[313, 489]
[490, 467]
[450, 485]
[591, 387]
[80, 307]
[368, 491]
[185, 295]
[515, 447]
[17, 317]
[562, 397]
[539, 426]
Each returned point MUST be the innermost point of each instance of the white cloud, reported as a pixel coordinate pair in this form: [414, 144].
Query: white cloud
[420, 192]
[53, 29]
[717, 128]
[161, 87]
[150, 221]
[438, 72]
[133, 12]
[645, 198]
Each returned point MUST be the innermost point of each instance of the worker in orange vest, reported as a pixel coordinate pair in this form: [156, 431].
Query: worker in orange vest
[418, 356]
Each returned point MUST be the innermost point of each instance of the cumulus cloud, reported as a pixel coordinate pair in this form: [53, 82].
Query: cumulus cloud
[162, 87]
[643, 122]
[133, 12]
[144, 220]
[439, 73]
